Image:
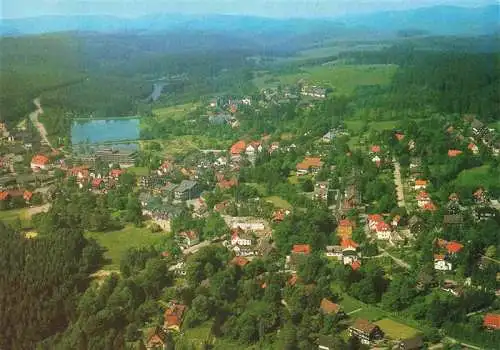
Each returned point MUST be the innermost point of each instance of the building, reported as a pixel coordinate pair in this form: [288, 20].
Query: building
[333, 251]
[124, 158]
[156, 339]
[365, 331]
[373, 220]
[473, 148]
[237, 149]
[328, 307]
[414, 343]
[440, 263]
[187, 190]
[345, 228]
[492, 321]
[240, 261]
[383, 231]
[420, 185]
[173, 316]
[454, 153]
[309, 165]
[313, 91]
[423, 199]
[189, 238]
[304, 249]
[321, 191]
[39, 162]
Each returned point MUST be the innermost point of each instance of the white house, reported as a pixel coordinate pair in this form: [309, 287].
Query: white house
[441, 264]
[241, 239]
[423, 199]
[253, 148]
[334, 251]
[383, 231]
[420, 185]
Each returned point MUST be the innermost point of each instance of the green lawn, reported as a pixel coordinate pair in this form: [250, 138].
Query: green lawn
[476, 177]
[10, 216]
[117, 242]
[198, 335]
[176, 112]
[259, 187]
[279, 202]
[138, 170]
[396, 330]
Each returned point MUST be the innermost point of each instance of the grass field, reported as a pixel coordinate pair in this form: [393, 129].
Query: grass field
[198, 335]
[117, 242]
[177, 112]
[396, 330]
[343, 78]
[476, 177]
[279, 202]
[138, 171]
[10, 216]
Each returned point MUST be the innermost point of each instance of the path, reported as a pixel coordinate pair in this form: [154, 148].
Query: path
[38, 209]
[398, 261]
[196, 247]
[399, 184]
[354, 311]
[40, 127]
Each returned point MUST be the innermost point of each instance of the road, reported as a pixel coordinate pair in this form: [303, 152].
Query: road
[196, 247]
[38, 209]
[40, 127]
[399, 184]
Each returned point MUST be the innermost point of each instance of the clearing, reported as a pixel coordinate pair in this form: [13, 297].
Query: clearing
[396, 330]
[138, 170]
[118, 242]
[475, 177]
[177, 112]
[279, 202]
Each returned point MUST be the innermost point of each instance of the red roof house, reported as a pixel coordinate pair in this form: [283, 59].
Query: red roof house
[347, 243]
[238, 148]
[115, 173]
[454, 152]
[399, 136]
[27, 195]
[39, 161]
[4, 195]
[301, 249]
[240, 261]
[328, 307]
[454, 247]
[375, 149]
[492, 321]
[356, 265]
[173, 316]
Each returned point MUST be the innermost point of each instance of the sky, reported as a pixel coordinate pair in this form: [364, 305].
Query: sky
[267, 8]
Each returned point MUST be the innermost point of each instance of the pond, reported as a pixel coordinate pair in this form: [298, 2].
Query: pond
[96, 131]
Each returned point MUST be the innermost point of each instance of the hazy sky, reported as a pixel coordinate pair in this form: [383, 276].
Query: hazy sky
[272, 8]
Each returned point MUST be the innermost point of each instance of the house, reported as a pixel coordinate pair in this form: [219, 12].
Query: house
[124, 158]
[451, 287]
[321, 191]
[27, 196]
[274, 147]
[356, 265]
[373, 220]
[189, 237]
[383, 231]
[173, 316]
[454, 247]
[454, 153]
[429, 207]
[492, 321]
[348, 244]
[441, 264]
[414, 343]
[420, 185]
[303, 249]
[237, 149]
[39, 162]
[253, 148]
[165, 168]
[345, 228]
[328, 307]
[480, 195]
[225, 184]
[238, 237]
[309, 164]
[328, 137]
[97, 183]
[156, 339]
[377, 160]
[240, 261]
[334, 251]
[375, 149]
[4, 196]
[280, 214]
[422, 199]
[473, 148]
[365, 331]
[187, 190]
[313, 91]
[399, 136]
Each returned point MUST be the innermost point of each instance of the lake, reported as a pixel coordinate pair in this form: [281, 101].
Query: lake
[104, 130]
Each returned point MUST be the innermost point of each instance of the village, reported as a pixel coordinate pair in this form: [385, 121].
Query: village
[350, 183]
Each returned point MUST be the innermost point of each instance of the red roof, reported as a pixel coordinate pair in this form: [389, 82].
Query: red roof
[116, 172]
[4, 195]
[375, 217]
[165, 254]
[310, 162]
[400, 136]
[329, 307]
[293, 280]
[454, 152]
[454, 247]
[279, 215]
[347, 243]
[479, 193]
[189, 234]
[430, 206]
[40, 160]
[472, 146]
[422, 195]
[227, 184]
[240, 261]
[492, 321]
[96, 182]
[355, 265]
[301, 249]
[438, 257]
[173, 315]
[382, 226]
[238, 147]
[375, 148]
[27, 195]
[420, 182]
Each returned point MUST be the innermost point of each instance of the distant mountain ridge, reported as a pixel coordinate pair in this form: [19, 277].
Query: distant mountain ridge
[437, 20]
